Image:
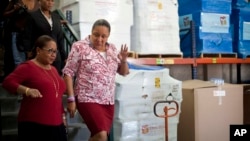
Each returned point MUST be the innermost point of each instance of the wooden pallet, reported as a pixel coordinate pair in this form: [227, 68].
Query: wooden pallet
[218, 55]
[131, 54]
[159, 56]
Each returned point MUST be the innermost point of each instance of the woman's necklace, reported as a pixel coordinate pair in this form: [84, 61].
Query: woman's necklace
[55, 81]
[51, 77]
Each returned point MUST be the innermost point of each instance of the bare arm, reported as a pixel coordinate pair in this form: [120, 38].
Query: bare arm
[71, 105]
[69, 84]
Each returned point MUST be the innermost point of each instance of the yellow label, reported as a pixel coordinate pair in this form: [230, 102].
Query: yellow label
[169, 61]
[214, 60]
[160, 61]
[157, 82]
[159, 5]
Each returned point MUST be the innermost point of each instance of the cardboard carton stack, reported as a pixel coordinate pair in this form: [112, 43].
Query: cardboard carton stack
[136, 95]
[207, 111]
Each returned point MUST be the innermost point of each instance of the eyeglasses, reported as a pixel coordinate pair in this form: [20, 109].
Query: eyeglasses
[50, 50]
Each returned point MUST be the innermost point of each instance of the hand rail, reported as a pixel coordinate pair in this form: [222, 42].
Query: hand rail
[70, 35]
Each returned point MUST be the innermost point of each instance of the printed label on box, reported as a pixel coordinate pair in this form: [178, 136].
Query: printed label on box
[246, 30]
[219, 93]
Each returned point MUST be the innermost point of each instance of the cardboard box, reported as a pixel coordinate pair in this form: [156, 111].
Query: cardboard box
[203, 116]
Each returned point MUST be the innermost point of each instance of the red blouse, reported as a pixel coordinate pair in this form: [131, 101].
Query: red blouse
[46, 110]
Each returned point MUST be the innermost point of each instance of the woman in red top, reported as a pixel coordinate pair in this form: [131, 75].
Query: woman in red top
[41, 113]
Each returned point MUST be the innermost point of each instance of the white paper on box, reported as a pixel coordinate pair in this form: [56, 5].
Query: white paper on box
[219, 93]
[246, 31]
[215, 19]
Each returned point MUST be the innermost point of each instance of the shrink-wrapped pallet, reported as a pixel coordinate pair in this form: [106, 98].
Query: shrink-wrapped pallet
[118, 12]
[136, 96]
[155, 29]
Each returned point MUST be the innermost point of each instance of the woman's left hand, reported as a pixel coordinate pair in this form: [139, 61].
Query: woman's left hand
[123, 53]
[64, 120]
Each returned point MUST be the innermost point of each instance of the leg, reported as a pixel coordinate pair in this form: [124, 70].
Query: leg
[9, 65]
[101, 136]
[18, 56]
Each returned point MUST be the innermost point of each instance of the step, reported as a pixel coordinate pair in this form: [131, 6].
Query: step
[4, 114]
[10, 132]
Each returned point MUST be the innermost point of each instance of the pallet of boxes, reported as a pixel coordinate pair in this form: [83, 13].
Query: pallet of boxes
[208, 110]
[136, 96]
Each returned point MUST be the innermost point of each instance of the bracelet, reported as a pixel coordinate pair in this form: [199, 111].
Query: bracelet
[26, 91]
[71, 99]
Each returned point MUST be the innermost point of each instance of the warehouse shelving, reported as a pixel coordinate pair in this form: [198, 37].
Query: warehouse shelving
[161, 61]
[190, 61]
[194, 62]
[222, 61]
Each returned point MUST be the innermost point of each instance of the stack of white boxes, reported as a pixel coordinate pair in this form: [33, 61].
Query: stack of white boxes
[118, 12]
[156, 27]
[136, 95]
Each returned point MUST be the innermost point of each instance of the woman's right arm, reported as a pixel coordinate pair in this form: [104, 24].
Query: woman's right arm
[14, 82]
[69, 72]
[71, 105]
[69, 84]
[29, 92]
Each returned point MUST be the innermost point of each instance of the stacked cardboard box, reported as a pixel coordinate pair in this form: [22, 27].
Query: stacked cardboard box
[209, 110]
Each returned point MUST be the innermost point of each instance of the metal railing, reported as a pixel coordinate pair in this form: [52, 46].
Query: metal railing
[70, 36]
